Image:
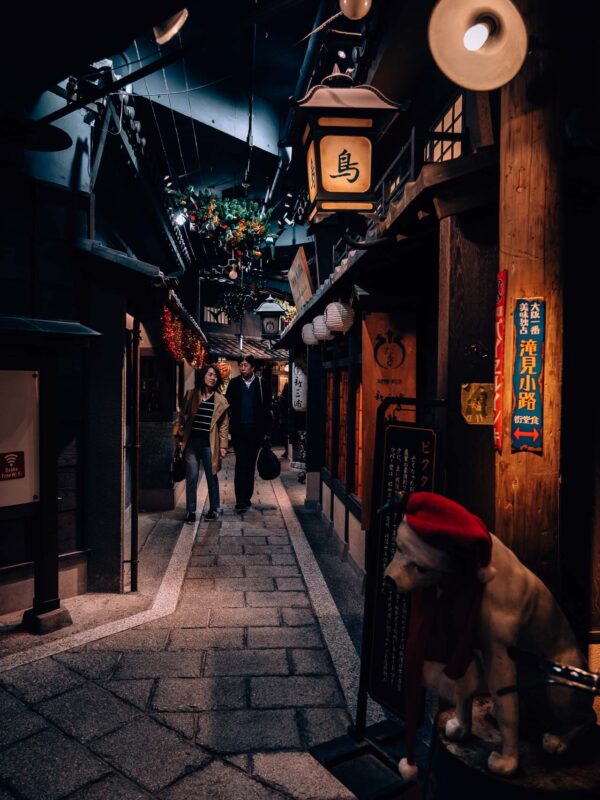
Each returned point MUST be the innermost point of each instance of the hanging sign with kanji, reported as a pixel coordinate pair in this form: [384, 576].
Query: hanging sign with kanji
[527, 421]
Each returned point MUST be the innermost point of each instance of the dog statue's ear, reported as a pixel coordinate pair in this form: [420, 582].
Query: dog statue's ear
[397, 503]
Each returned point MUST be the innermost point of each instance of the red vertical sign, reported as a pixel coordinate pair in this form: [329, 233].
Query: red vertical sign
[499, 357]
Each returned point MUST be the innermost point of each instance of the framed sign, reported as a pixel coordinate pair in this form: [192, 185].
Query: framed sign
[19, 437]
[405, 459]
[527, 417]
[300, 280]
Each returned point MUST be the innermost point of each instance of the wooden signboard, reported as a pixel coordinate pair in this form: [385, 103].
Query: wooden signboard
[300, 280]
[405, 456]
[389, 369]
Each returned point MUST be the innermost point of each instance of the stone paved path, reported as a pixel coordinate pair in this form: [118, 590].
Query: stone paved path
[220, 699]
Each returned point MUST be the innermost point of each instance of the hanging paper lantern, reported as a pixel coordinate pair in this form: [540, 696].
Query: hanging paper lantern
[299, 387]
[321, 330]
[339, 317]
[308, 335]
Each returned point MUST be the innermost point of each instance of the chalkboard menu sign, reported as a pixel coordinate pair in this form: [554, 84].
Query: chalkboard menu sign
[405, 461]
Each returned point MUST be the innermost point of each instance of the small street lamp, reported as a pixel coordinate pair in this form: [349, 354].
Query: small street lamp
[270, 313]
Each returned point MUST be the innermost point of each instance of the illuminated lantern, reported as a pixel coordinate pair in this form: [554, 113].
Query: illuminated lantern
[299, 387]
[321, 330]
[308, 335]
[270, 313]
[339, 125]
[355, 9]
[339, 317]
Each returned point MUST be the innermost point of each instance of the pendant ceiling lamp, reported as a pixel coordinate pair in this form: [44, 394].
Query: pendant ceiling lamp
[321, 330]
[355, 9]
[339, 317]
[478, 44]
[308, 335]
[168, 28]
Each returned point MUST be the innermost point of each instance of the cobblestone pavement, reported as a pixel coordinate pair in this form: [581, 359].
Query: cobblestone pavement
[220, 699]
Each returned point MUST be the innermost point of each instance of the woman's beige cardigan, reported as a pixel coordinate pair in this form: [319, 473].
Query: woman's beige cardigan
[218, 436]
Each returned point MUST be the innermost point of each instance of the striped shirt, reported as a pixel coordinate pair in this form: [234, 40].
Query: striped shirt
[201, 424]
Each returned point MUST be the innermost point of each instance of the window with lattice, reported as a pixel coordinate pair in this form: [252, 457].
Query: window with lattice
[451, 122]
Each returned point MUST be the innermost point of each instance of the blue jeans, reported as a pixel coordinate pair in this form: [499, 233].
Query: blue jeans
[198, 451]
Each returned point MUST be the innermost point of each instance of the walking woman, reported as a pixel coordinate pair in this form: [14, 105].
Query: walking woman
[203, 431]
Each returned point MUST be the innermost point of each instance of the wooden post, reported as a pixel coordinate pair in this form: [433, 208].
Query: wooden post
[527, 484]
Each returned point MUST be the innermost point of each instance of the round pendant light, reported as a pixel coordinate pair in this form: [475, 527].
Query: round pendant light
[321, 330]
[478, 44]
[339, 317]
[308, 335]
[355, 9]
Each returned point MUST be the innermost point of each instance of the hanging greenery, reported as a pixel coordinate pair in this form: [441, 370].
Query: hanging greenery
[230, 223]
[289, 310]
[234, 304]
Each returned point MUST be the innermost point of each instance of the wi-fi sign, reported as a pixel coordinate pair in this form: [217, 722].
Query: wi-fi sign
[12, 465]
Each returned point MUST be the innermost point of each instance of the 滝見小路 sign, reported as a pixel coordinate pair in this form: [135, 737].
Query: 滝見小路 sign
[527, 420]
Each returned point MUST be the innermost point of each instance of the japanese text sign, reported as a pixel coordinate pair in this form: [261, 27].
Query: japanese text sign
[300, 280]
[528, 376]
[345, 163]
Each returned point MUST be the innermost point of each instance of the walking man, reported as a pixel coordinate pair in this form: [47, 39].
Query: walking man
[250, 420]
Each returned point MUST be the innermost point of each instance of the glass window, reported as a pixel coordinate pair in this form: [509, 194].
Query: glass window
[450, 121]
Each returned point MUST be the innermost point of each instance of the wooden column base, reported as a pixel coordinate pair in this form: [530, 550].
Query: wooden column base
[47, 621]
[459, 769]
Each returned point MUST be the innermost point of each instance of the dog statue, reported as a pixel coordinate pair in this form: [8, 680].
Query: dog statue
[485, 601]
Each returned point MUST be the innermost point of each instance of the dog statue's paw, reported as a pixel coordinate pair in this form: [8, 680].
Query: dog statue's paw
[408, 771]
[456, 730]
[554, 744]
[502, 765]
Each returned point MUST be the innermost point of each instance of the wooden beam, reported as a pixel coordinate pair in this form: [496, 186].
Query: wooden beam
[527, 493]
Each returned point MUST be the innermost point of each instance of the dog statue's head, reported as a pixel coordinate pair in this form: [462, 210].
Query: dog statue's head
[438, 542]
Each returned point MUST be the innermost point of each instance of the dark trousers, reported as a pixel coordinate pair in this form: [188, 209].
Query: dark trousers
[246, 445]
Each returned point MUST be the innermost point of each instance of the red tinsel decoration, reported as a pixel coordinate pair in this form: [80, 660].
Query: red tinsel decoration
[172, 331]
[193, 349]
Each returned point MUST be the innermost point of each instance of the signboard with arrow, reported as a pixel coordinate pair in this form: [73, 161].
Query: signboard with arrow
[527, 416]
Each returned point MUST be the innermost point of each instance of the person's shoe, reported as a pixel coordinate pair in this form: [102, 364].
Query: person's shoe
[190, 517]
[210, 515]
[241, 507]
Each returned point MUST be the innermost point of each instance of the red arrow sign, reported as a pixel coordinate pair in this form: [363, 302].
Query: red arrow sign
[519, 434]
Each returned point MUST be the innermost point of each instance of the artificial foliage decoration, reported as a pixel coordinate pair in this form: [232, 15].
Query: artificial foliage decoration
[194, 350]
[289, 310]
[230, 222]
[172, 333]
[235, 304]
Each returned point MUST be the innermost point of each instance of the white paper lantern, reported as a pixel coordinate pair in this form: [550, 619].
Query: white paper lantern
[321, 330]
[339, 317]
[299, 387]
[308, 335]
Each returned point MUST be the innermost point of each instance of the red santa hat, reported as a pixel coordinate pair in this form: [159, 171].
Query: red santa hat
[442, 627]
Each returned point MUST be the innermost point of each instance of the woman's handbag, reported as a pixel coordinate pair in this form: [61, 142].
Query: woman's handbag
[267, 464]
[177, 466]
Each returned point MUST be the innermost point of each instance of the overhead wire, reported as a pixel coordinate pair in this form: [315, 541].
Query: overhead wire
[164, 74]
[192, 119]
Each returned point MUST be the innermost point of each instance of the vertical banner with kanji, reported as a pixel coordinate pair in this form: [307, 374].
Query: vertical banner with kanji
[528, 375]
[499, 357]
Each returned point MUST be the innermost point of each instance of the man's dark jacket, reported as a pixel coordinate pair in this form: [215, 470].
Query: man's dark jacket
[262, 416]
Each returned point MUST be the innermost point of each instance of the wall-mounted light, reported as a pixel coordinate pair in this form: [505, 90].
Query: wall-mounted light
[180, 218]
[355, 9]
[478, 44]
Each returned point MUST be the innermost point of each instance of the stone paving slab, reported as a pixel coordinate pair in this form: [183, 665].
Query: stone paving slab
[136, 692]
[285, 637]
[248, 730]
[219, 782]
[297, 616]
[20, 726]
[48, 765]
[135, 639]
[40, 680]
[184, 723]
[323, 724]
[290, 585]
[160, 665]
[294, 691]
[261, 584]
[247, 662]
[236, 617]
[311, 662]
[273, 570]
[199, 694]
[204, 639]
[139, 750]
[87, 712]
[277, 599]
[244, 560]
[111, 787]
[96, 666]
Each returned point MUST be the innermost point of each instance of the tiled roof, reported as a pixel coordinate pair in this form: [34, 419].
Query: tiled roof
[228, 346]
